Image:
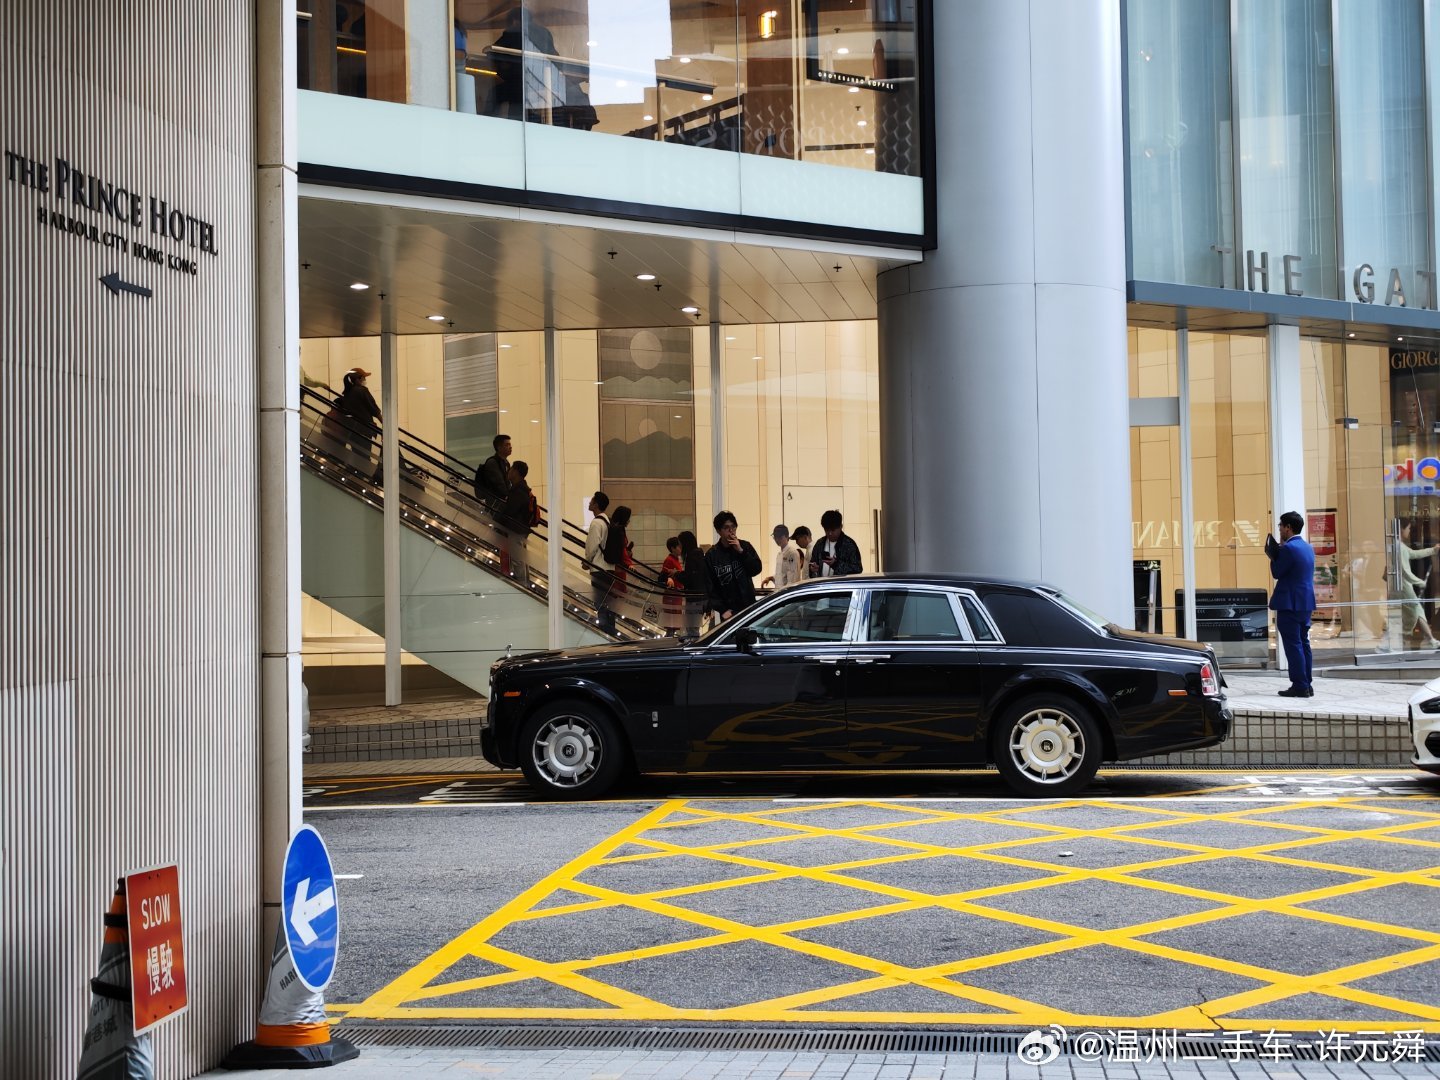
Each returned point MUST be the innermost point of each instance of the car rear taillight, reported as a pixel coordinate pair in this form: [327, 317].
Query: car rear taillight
[1209, 684]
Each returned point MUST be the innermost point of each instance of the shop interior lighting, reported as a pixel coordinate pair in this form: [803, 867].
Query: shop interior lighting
[707, 97]
[647, 117]
[1351, 334]
[768, 20]
[690, 309]
[436, 318]
[842, 51]
[730, 338]
[644, 277]
[422, 388]
[684, 59]
[359, 286]
[1349, 423]
[507, 346]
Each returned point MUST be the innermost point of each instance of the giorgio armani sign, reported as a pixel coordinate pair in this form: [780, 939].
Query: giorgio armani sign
[138, 226]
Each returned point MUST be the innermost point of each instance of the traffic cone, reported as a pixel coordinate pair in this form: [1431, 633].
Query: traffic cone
[112, 1050]
[293, 1032]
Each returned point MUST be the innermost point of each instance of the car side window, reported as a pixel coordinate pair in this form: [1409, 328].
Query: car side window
[979, 624]
[901, 615]
[804, 619]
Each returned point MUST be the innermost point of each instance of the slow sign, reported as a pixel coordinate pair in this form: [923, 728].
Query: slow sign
[157, 946]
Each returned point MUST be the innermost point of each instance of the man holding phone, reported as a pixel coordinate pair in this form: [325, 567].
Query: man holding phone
[731, 565]
[837, 555]
[1292, 565]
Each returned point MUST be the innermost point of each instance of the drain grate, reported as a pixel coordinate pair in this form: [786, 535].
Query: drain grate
[1304, 1046]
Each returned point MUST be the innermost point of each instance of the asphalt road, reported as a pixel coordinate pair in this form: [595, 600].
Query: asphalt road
[1198, 901]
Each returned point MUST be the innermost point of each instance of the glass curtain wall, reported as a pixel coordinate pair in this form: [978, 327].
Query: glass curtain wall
[829, 81]
[1285, 121]
[1158, 536]
[1384, 176]
[1182, 191]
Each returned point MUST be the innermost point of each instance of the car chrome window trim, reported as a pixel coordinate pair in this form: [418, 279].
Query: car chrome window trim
[862, 630]
[985, 612]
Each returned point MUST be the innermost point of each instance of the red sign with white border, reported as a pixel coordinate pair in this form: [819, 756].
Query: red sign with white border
[157, 946]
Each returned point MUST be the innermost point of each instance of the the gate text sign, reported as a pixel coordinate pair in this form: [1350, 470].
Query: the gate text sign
[1289, 272]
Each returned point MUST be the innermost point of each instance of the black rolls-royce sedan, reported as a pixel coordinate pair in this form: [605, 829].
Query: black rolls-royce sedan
[862, 673]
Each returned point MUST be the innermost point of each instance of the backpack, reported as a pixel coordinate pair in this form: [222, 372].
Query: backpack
[534, 510]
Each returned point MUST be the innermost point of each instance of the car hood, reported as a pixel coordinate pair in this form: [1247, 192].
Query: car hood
[1178, 644]
[608, 651]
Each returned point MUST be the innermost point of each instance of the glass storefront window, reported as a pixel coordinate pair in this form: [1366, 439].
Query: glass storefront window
[1158, 538]
[1285, 116]
[830, 81]
[1178, 100]
[1384, 176]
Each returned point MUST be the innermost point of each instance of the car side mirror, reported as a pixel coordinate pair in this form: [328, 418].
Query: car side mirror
[745, 639]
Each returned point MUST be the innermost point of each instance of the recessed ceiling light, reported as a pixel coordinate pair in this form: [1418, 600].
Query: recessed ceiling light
[359, 286]
[678, 416]
[644, 277]
[465, 401]
[436, 318]
[684, 59]
[422, 388]
[863, 123]
[647, 116]
[870, 150]
[707, 97]
[534, 421]
[730, 338]
[690, 309]
[842, 51]
[1351, 334]
[854, 89]
[507, 346]
[757, 358]
[504, 410]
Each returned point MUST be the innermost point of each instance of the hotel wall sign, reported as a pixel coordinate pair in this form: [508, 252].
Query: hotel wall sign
[138, 227]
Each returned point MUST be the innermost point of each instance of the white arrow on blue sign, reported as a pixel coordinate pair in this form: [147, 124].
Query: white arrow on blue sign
[310, 909]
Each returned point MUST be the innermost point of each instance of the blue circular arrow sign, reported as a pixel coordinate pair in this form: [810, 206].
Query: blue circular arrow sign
[310, 908]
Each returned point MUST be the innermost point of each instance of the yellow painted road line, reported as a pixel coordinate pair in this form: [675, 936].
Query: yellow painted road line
[402, 996]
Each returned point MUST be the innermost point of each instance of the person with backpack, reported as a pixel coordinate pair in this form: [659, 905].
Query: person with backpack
[519, 513]
[360, 417]
[601, 580]
[492, 478]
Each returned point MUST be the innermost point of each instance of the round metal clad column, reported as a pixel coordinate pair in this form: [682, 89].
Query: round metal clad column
[1004, 401]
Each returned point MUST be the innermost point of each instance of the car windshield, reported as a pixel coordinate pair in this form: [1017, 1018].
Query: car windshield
[1079, 610]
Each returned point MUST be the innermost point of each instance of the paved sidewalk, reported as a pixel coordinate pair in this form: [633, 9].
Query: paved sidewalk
[1256, 692]
[385, 1063]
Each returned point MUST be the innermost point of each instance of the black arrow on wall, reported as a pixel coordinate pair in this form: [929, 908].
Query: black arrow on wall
[116, 286]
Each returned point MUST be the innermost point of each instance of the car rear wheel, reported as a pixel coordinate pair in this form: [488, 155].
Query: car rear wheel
[571, 750]
[1047, 745]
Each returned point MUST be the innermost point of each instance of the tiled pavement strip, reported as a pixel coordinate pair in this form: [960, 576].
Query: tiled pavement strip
[385, 1063]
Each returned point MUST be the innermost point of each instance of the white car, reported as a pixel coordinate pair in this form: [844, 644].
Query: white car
[1425, 726]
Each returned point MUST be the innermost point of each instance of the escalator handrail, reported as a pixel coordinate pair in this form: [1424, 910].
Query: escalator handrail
[577, 534]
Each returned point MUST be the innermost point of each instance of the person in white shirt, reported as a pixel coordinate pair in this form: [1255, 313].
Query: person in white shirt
[789, 562]
[602, 580]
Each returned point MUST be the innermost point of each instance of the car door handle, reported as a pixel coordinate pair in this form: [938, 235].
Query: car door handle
[869, 659]
[826, 659]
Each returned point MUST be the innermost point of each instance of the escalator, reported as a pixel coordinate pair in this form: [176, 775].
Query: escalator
[470, 588]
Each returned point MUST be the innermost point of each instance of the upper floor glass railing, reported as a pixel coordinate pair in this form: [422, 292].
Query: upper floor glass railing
[828, 81]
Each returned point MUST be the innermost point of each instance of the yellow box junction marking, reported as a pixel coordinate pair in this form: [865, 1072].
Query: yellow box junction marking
[417, 993]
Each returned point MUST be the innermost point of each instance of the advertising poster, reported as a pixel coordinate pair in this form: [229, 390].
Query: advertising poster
[1320, 524]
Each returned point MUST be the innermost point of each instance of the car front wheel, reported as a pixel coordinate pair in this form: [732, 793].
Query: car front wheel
[1047, 745]
[571, 750]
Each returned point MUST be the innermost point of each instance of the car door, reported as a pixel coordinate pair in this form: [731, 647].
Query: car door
[778, 703]
[914, 682]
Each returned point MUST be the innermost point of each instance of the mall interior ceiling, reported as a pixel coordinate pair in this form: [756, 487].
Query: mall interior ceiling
[511, 269]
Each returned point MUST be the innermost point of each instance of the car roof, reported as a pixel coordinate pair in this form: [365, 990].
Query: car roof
[954, 581]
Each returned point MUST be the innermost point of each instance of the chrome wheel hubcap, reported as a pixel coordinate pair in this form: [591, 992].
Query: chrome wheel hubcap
[567, 751]
[1047, 746]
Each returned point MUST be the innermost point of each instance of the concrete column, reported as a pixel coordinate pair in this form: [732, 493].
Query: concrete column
[390, 456]
[278, 303]
[555, 483]
[1003, 387]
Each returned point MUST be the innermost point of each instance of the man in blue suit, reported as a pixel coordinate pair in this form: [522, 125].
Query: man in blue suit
[1292, 565]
